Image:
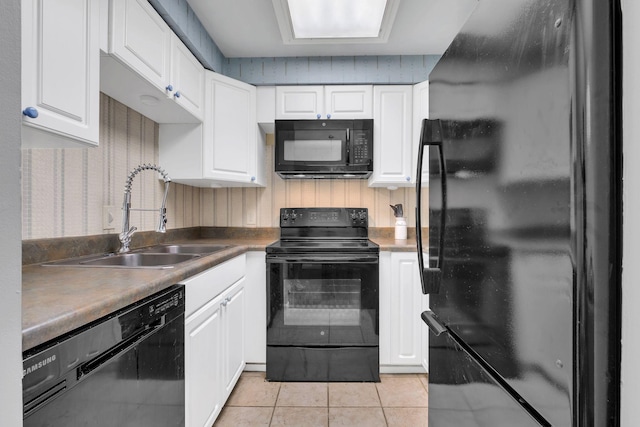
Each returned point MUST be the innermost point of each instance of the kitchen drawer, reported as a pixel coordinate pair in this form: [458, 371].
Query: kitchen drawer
[205, 286]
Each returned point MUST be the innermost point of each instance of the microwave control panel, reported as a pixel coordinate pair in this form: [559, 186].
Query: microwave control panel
[360, 146]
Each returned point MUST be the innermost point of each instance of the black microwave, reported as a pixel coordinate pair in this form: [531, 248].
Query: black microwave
[324, 148]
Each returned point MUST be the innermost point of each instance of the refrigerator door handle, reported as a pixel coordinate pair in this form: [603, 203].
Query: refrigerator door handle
[433, 323]
[431, 277]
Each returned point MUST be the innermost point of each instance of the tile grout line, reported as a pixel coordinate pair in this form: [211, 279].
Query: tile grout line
[384, 415]
[275, 402]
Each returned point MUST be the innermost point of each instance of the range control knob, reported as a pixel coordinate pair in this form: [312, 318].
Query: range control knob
[362, 215]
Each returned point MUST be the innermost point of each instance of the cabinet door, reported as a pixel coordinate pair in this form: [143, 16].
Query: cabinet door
[392, 136]
[234, 329]
[299, 102]
[348, 102]
[187, 78]
[230, 130]
[406, 304]
[420, 112]
[203, 365]
[61, 70]
[256, 309]
[141, 39]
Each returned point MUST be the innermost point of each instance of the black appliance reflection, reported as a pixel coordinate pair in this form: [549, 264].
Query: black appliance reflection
[323, 319]
[507, 267]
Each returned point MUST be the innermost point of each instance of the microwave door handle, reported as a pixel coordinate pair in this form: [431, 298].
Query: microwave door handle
[431, 277]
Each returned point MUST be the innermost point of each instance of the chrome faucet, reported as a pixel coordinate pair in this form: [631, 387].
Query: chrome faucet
[127, 231]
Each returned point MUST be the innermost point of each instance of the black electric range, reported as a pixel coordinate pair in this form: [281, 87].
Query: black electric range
[322, 282]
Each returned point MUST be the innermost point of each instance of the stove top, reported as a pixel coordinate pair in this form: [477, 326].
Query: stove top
[323, 230]
[320, 245]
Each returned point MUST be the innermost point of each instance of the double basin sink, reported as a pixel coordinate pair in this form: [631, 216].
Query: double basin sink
[160, 256]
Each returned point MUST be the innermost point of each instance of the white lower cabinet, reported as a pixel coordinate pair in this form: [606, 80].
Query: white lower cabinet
[214, 339]
[256, 312]
[203, 365]
[233, 330]
[403, 335]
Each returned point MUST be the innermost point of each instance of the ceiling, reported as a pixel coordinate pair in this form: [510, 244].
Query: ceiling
[249, 29]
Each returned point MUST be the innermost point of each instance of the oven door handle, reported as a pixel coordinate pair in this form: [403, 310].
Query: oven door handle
[322, 259]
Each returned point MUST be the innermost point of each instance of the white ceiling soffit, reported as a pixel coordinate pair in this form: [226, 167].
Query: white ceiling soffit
[249, 29]
[283, 16]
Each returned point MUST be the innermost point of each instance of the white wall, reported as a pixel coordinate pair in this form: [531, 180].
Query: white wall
[630, 387]
[10, 217]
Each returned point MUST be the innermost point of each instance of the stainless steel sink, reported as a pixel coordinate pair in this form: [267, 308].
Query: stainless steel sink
[127, 260]
[160, 256]
[141, 260]
[185, 248]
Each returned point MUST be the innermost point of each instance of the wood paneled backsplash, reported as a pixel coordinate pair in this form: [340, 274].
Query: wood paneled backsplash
[64, 190]
[259, 207]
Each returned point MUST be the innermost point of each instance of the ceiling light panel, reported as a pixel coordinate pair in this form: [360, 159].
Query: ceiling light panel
[336, 18]
[335, 21]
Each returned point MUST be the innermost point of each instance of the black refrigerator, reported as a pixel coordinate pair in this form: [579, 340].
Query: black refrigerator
[524, 217]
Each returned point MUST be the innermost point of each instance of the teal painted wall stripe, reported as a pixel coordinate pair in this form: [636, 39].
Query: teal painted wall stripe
[406, 69]
[401, 69]
[184, 22]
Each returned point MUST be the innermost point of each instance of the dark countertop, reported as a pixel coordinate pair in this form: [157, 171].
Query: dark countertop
[390, 244]
[57, 300]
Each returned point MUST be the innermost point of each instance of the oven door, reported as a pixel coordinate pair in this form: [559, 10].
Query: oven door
[322, 300]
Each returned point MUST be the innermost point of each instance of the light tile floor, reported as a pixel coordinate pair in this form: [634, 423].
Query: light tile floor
[396, 401]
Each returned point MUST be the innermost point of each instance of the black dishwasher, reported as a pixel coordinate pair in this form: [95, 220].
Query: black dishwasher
[126, 369]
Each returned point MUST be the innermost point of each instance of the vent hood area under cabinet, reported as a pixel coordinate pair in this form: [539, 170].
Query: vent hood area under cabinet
[145, 66]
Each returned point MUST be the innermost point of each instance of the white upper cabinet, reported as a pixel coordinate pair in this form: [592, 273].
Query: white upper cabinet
[187, 78]
[392, 137]
[60, 73]
[420, 112]
[230, 131]
[348, 102]
[299, 102]
[148, 68]
[141, 39]
[266, 108]
[225, 150]
[326, 102]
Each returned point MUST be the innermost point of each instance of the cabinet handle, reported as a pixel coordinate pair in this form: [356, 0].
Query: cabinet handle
[318, 116]
[328, 116]
[177, 94]
[224, 303]
[408, 178]
[253, 178]
[30, 112]
[169, 88]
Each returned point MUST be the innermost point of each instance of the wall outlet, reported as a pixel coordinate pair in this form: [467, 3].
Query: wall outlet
[109, 215]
